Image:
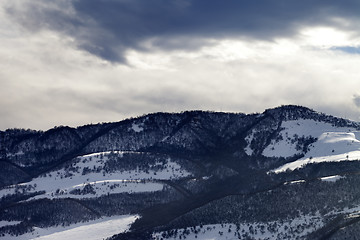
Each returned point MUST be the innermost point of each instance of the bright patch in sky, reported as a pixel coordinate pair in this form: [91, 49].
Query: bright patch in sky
[326, 37]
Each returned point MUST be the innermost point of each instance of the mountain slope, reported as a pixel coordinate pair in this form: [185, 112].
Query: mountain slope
[262, 175]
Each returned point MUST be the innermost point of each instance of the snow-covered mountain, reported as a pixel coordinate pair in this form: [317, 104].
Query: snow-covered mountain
[287, 173]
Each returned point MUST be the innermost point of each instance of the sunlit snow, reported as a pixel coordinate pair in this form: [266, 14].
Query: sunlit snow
[299, 128]
[258, 230]
[330, 147]
[92, 230]
[331, 178]
[59, 183]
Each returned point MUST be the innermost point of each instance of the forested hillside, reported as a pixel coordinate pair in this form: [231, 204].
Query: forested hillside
[287, 173]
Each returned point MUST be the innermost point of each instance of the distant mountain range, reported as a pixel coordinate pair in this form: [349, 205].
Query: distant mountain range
[287, 173]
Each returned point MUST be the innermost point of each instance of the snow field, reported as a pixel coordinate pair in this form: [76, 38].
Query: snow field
[270, 230]
[333, 144]
[302, 127]
[59, 184]
[92, 230]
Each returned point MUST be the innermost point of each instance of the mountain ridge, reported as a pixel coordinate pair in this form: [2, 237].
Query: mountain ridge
[170, 167]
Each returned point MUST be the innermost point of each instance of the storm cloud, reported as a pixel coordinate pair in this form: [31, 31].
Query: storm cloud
[108, 28]
[74, 62]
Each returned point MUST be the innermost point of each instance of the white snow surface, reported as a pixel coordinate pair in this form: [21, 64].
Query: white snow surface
[331, 178]
[58, 184]
[248, 139]
[295, 182]
[330, 147]
[333, 143]
[258, 230]
[137, 127]
[8, 223]
[98, 154]
[92, 230]
[301, 128]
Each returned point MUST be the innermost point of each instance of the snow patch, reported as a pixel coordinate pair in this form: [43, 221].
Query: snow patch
[330, 147]
[8, 223]
[294, 182]
[137, 127]
[293, 129]
[331, 178]
[249, 139]
[349, 156]
[19, 153]
[98, 154]
[288, 229]
[165, 138]
[89, 179]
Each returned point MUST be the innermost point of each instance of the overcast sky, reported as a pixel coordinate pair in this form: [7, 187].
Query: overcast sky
[73, 62]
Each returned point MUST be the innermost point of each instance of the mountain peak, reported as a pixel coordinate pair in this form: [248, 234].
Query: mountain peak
[291, 112]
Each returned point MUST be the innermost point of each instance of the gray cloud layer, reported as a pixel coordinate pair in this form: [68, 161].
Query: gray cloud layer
[107, 28]
[239, 56]
[356, 100]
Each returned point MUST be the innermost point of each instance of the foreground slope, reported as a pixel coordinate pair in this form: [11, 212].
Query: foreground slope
[287, 173]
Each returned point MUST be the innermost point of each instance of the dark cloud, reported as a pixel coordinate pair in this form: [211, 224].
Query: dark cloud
[107, 28]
